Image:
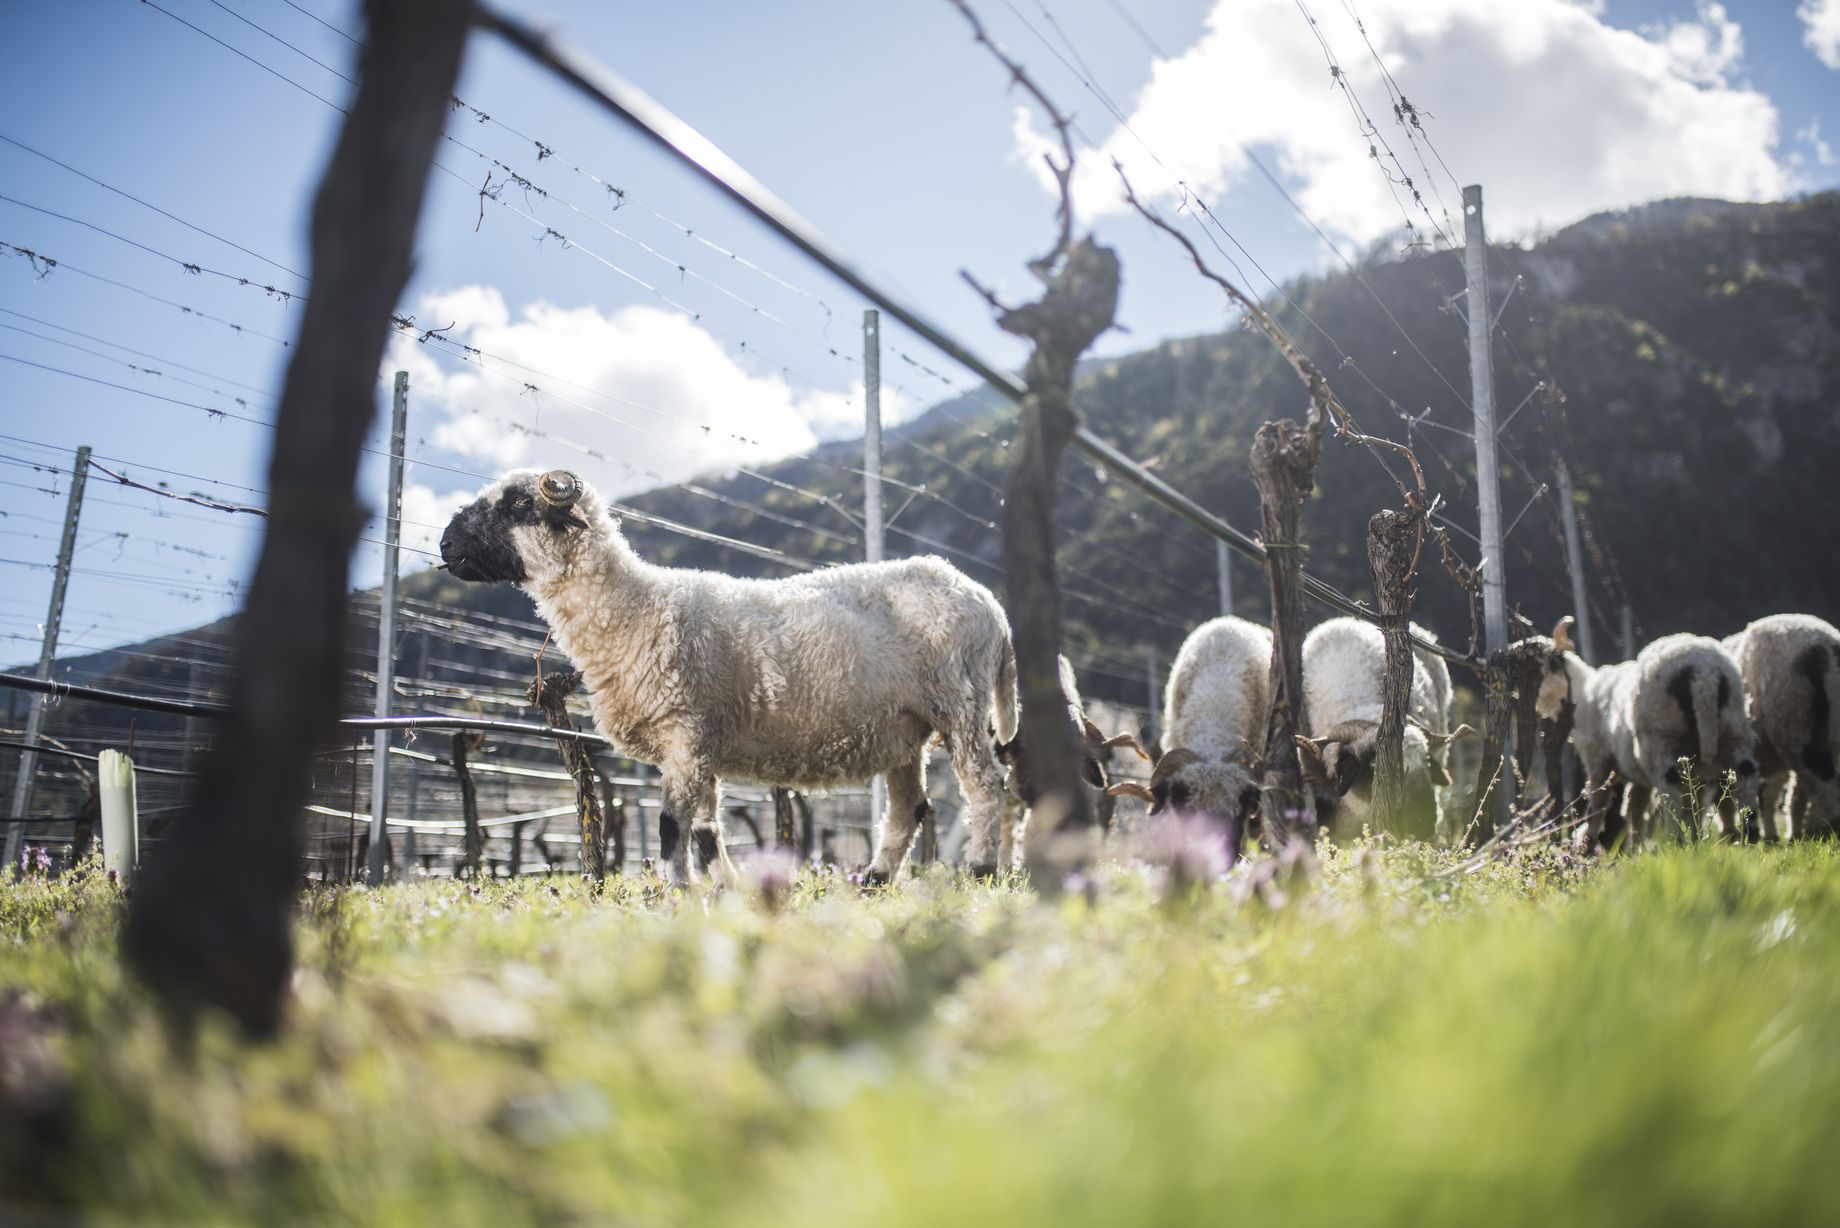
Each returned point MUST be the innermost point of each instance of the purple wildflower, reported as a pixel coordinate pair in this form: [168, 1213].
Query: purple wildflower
[1192, 848]
[773, 872]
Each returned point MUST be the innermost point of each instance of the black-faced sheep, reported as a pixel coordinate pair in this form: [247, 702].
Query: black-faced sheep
[1344, 670]
[1791, 669]
[1214, 712]
[811, 682]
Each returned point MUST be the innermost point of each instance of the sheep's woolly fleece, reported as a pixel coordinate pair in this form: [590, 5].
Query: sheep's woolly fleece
[1215, 705]
[817, 680]
[1791, 669]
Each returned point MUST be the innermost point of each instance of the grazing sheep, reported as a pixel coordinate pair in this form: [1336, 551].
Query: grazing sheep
[1019, 794]
[1603, 733]
[1214, 712]
[1689, 704]
[815, 681]
[1682, 698]
[1344, 670]
[1791, 669]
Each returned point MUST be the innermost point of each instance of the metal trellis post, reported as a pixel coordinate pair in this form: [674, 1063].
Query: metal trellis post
[1574, 559]
[872, 486]
[1482, 397]
[35, 717]
[1223, 564]
[386, 631]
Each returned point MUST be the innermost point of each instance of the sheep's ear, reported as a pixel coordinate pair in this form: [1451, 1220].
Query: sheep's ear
[1131, 788]
[1093, 771]
[1342, 763]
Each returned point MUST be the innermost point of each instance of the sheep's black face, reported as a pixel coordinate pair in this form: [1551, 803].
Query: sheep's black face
[512, 523]
[477, 545]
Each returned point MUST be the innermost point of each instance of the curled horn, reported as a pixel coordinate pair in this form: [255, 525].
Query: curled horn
[1439, 739]
[1173, 761]
[1562, 634]
[559, 488]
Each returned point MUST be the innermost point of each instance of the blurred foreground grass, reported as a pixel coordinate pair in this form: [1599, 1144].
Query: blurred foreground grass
[1540, 1041]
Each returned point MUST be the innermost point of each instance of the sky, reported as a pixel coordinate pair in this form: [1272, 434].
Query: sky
[601, 307]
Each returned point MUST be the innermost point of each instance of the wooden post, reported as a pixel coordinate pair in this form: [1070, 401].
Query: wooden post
[550, 695]
[1077, 305]
[783, 836]
[613, 810]
[807, 826]
[473, 842]
[1393, 540]
[1492, 783]
[211, 924]
[515, 866]
[1284, 458]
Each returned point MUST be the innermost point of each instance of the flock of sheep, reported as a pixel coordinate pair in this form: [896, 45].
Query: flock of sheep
[1695, 730]
[834, 676]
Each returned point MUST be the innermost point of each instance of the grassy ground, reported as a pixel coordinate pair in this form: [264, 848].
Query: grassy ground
[1539, 1041]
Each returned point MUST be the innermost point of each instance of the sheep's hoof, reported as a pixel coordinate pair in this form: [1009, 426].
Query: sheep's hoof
[983, 871]
[873, 877]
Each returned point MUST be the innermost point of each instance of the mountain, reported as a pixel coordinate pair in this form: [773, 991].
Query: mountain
[1690, 362]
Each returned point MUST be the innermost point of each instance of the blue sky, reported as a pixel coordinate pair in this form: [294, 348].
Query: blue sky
[881, 122]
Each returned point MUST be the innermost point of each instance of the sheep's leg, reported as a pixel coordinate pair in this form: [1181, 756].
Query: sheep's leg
[1769, 804]
[1635, 814]
[707, 836]
[690, 801]
[975, 765]
[1800, 799]
[1675, 809]
[1604, 825]
[1009, 829]
[906, 804]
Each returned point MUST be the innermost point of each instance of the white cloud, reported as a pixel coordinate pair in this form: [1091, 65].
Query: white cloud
[1556, 113]
[1811, 137]
[1706, 50]
[424, 514]
[1821, 29]
[668, 400]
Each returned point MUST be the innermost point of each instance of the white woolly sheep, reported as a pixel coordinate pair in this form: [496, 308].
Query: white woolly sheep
[1214, 712]
[1019, 794]
[1344, 671]
[1603, 733]
[815, 681]
[1791, 669]
[1682, 698]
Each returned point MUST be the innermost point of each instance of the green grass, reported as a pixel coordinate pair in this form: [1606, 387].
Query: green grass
[1656, 1040]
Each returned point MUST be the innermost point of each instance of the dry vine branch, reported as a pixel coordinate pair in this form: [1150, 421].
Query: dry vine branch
[1324, 399]
[550, 697]
[1321, 395]
[211, 922]
[1062, 171]
[1079, 301]
[199, 500]
[1284, 457]
[1393, 564]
